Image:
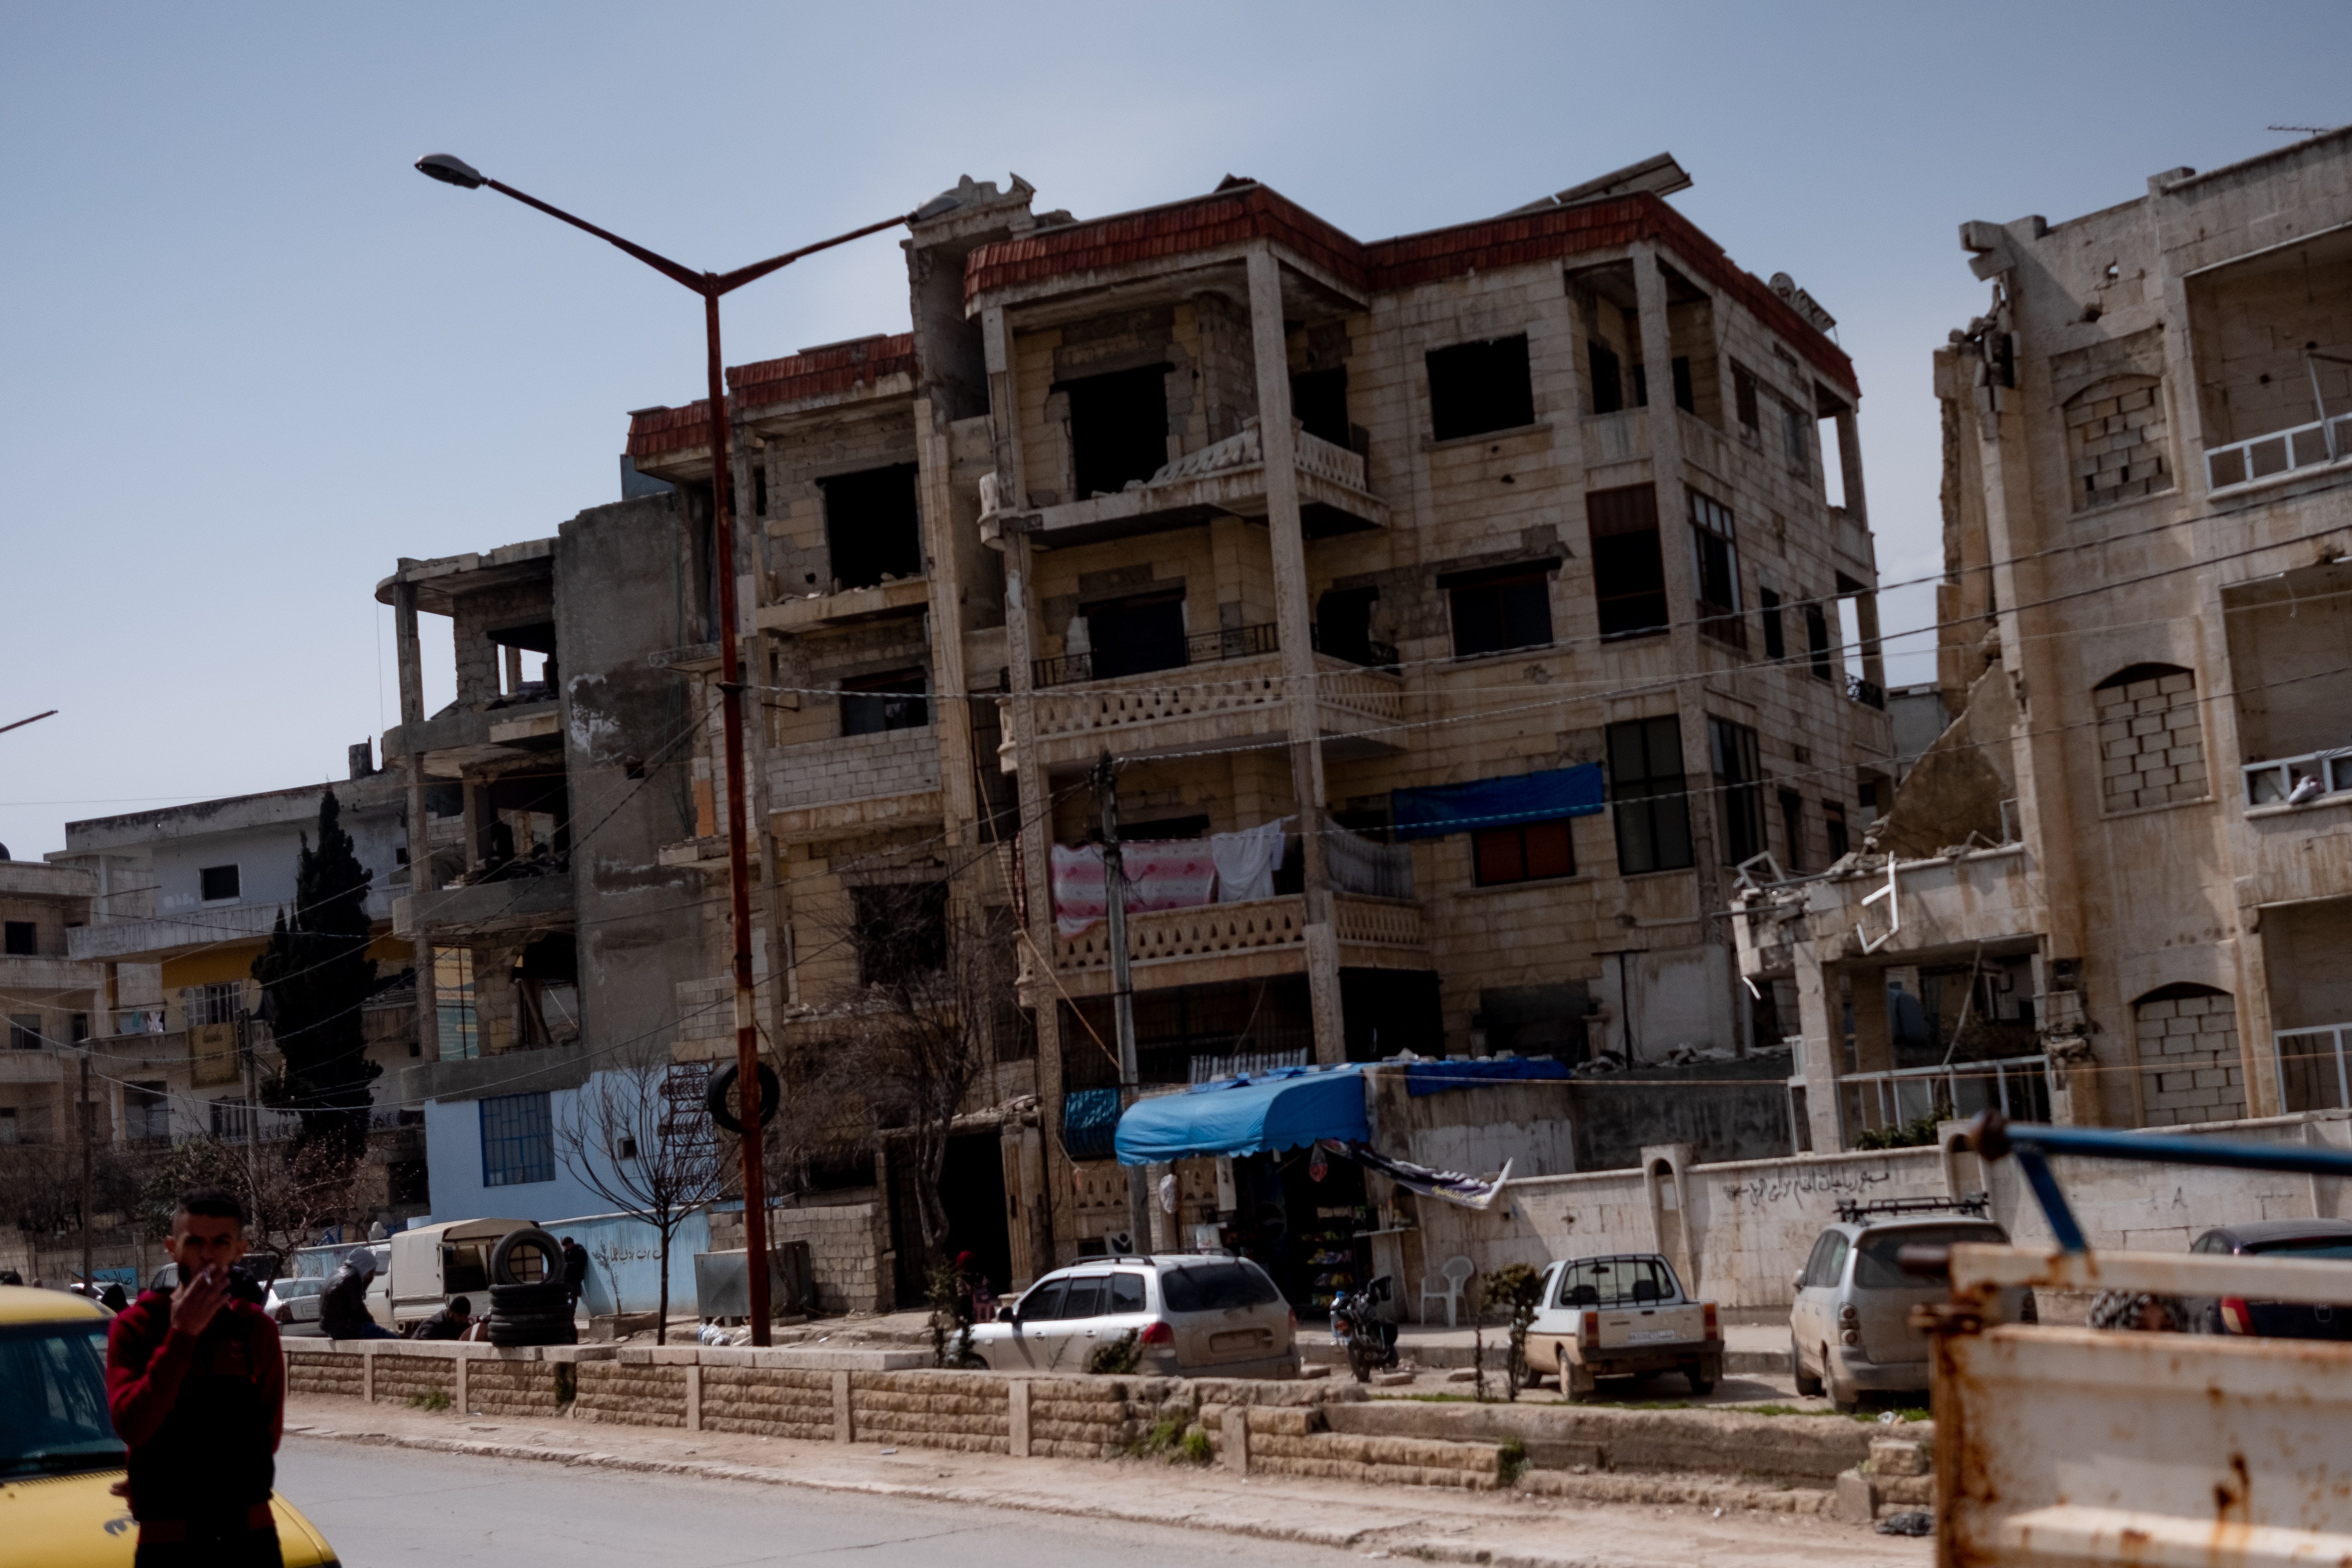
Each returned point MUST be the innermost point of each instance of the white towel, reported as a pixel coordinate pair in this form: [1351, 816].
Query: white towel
[1247, 860]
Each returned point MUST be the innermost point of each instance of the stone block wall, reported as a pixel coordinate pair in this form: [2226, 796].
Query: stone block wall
[847, 1247]
[632, 1392]
[769, 1402]
[2151, 739]
[932, 1410]
[2190, 1067]
[405, 1380]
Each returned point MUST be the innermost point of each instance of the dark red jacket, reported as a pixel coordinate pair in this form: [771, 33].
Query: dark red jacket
[201, 1415]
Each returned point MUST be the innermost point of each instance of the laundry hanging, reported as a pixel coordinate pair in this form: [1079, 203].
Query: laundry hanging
[1361, 865]
[1247, 860]
[1161, 874]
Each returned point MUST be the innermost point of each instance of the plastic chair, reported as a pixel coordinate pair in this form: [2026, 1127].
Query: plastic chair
[1455, 1273]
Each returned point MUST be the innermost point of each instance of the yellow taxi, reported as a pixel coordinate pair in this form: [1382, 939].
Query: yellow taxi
[59, 1458]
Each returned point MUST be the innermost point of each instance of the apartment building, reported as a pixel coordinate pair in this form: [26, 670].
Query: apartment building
[2118, 889]
[1459, 612]
[52, 1002]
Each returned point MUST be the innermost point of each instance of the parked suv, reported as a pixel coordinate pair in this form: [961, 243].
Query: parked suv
[1850, 1326]
[1191, 1315]
[2313, 1240]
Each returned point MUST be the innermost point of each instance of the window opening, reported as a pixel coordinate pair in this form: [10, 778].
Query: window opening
[1343, 627]
[1629, 573]
[1832, 459]
[217, 884]
[1743, 399]
[518, 1140]
[1833, 829]
[1717, 567]
[1685, 399]
[1740, 776]
[1118, 428]
[453, 1004]
[1817, 642]
[1776, 639]
[900, 929]
[1523, 852]
[1795, 443]
[896, 700]
[1475, 387]
[1137, 635]
[1792, 830]
[1318, 401]
[222, 1002]
[24, 939]
[1504, 610]
[1607, 378]
[760, 490]
[24, 1032]
[872, 527]
[1646, 796]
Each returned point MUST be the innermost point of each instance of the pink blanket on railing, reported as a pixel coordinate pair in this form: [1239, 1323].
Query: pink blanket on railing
[1171, 874]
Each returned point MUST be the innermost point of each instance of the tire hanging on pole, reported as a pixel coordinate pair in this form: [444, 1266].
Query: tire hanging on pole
[714, 1098]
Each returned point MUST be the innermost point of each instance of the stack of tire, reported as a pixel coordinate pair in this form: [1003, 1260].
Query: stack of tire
[528, 1303]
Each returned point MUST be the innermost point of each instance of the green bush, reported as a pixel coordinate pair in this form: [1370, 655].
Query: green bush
[431, 1399]
[1514, 1463]
[1195, 1449]
[1118, 1358]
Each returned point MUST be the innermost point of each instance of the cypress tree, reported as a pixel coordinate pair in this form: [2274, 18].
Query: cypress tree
[317, 974]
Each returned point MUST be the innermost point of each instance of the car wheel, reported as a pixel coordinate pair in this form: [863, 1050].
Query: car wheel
[1842, 1395]
[1808, 1383]
[1701, 1385]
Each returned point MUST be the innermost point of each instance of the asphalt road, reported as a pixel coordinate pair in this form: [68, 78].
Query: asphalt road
[383, 1506]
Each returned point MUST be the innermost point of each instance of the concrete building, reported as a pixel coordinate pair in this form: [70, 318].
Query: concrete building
[2118, 889]
[53, 1002]
[1502, 578]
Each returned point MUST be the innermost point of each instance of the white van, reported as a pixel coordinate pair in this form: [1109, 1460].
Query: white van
[433, 1262]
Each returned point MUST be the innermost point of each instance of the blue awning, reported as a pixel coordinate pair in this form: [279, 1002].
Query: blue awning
[1441, 809]
[1284, 1109]
[1435, 1078]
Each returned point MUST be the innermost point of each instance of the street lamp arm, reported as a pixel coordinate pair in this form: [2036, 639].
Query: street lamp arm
[697, 281]
[728, 282]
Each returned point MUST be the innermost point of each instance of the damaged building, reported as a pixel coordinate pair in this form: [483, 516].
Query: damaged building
[2117, 890]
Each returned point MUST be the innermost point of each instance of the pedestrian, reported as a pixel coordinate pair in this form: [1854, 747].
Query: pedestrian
[450, 1322]
[196, 1385]
[575, 1273]
[343, 1306]
[112, 1296]
[2138, 1312]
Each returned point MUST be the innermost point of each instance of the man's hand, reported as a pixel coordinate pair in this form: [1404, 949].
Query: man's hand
[195, 1303]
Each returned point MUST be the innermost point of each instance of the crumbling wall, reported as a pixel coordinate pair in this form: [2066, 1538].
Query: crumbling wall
[1958, 785]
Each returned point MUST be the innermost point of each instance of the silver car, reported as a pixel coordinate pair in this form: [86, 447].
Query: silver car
[1850, 1328]
[1192, 1316]
[293, 1304]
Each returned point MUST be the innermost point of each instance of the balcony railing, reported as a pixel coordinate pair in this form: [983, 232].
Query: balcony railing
[1369, 652]
[2280, 452]
[1202, 647]
[2313, 1073]
[2277, 782]
[1869, 693]
[2017, 1087]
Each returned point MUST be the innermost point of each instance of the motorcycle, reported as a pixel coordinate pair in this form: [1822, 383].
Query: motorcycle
[1371, 1340]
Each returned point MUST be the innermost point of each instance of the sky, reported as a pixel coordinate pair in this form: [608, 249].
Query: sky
[250, 358]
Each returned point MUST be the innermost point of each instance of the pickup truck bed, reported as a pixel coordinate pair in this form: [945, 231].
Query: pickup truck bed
[1583, 1341]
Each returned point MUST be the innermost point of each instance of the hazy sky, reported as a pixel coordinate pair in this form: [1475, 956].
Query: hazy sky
[248, 357]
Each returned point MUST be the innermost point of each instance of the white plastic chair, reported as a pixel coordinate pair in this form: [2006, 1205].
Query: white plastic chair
[1454, 1274]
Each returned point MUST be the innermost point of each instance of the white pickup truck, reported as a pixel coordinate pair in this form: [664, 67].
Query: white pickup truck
[1624, 1315]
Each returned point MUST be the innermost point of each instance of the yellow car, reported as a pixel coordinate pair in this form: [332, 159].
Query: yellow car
[59, 1458]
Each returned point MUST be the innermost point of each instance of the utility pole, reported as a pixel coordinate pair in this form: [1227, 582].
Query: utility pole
[85, 1276]
[1122, 989]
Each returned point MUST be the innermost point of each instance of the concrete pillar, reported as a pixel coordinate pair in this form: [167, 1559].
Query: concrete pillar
[1236, 1446]
[1819, 1017]
[693, 1397]
[1665, 1178]
[420, 823]
[1017, 1418]
[1849, 437]
[1294, 622]
[1865, 628]
[845, 1424]
[463, 1379]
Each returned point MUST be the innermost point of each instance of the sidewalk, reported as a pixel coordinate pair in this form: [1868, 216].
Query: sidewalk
[1508, 1530]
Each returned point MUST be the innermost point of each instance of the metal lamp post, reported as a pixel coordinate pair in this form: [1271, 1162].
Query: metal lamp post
[710, 286]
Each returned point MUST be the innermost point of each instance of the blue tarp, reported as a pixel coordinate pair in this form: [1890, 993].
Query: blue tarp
[1436, 1078]
[1491, 803]
[1284, 1109]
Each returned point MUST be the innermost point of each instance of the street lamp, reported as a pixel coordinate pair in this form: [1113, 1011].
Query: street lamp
[454, 171]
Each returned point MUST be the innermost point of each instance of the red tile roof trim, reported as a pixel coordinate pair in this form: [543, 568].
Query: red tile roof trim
[794, 378]
[1165, 233]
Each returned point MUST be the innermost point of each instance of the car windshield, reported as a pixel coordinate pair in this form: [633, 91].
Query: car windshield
[1212, 1286]
[1877, 1269]
[53, 1416]
[2321, 1247]
[1616, 1282]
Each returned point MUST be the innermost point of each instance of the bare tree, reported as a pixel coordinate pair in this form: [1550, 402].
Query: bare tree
[292, 1190]
[913, 1042]
[640, 1138]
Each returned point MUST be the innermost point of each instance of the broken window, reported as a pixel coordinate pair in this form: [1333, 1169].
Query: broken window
[1507, 608]
[1739, 778]
[1136, 636]
[1523, 852]
[1318, 401]
[2151, 739]
[1833, 828]
[872, 526]
[1629, 574]
[1343, 627]
[1743, 398]
[1475, 387]
[1818, 646]
[1792, 830]
[1776, 640]
[1717, 559]
[896, 700]
[1118, 428]
[1646, 796]
[899, 930]
[217, 884]
[24, 939]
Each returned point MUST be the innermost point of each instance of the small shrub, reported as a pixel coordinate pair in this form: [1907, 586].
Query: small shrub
[1118, 1358]
[431, 1399]
[1162, 1438]
[1195, 1449]
[1514, 1461]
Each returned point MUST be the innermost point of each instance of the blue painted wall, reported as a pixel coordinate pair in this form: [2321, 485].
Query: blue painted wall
[623, 1273]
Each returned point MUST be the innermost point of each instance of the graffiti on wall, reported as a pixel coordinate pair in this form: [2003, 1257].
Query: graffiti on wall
[1763, 1191]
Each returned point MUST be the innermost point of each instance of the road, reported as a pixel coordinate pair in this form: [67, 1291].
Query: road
[383, 1506]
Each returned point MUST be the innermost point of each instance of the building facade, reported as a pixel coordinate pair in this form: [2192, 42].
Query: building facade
[2118, 889]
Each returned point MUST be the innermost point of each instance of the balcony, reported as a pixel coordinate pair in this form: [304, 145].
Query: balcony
[904, 597]
[1903, 911]
[509, 903]
[2019, 1088]
[1228, 479]
[2298, 781]
[31, 1067]
[153, 938]
[1869, 693]
[2313, 1073]
[1213, 945]
[2312, 447]
[464, 737]
[1358, 710]
[822, 788]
